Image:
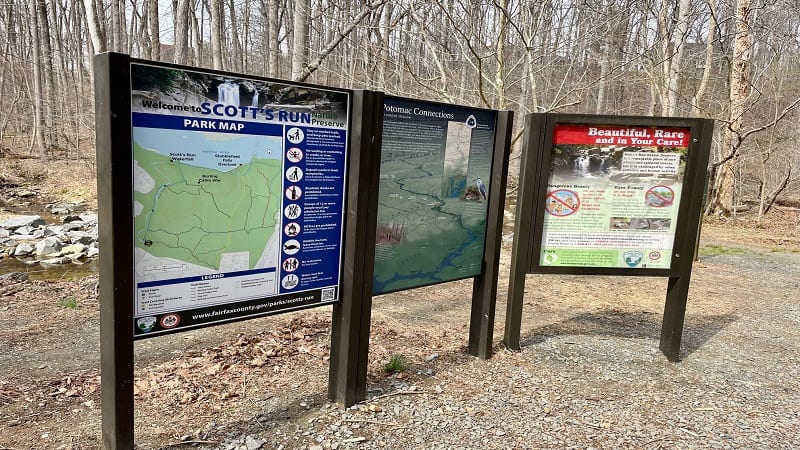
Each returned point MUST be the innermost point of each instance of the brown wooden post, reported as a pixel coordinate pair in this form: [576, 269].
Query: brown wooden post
[347, 379]
[684, 252]
[115, 204]
[484, 288]
[523, 230]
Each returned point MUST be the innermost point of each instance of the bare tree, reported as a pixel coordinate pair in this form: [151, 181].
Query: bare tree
[300, 41]
[38, 91]
[217, 24]
[181, 37]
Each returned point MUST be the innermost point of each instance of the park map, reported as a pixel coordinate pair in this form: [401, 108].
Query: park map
[214, 207]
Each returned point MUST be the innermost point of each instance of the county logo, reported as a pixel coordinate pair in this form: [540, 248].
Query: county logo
[632, 259]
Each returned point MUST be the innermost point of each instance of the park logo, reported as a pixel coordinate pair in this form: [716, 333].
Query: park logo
[170, 321]
[632, 259]
[471, 122]
[146, 324]
[550, 258]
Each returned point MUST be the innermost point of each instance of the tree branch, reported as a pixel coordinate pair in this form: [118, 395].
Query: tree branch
[313, 66]
[740, 138]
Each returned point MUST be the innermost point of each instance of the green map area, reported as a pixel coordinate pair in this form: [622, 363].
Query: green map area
[196, 214]
[431, 220]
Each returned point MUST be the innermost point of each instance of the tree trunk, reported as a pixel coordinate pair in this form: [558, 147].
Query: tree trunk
[501, 27]
[196, 32]
[38, 93]
[95, 30]
[237, 55]
[675, 62]
[724, 198]
[300, 42]
[45, 63]
[181, 38]
[274, 40]
[155, 30]
[217, 24]
[711, 33]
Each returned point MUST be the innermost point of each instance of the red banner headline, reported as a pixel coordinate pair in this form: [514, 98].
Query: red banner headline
[621, 135]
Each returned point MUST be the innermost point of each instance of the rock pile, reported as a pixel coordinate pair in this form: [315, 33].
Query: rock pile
[31, 240]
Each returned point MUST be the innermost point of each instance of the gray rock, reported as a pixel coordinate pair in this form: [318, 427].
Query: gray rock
[55, 261]
[21, 237]
[26, 193]
[254, 443]
[71, 226]
[73, 249]
[39, 233]
[21, 221]
[48, 246]
[4, 233]
[80, 237]
[72, 218]
[25, 229]
[92, 252]
[89, 217]
[14, 276]
[24, 249]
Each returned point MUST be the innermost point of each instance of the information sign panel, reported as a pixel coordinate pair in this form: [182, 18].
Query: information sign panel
[613, 195]
[436, 164]
[238, 196]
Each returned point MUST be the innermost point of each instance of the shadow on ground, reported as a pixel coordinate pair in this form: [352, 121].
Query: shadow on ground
[697, 329]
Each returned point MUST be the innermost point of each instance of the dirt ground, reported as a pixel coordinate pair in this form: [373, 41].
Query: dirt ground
[268, 376]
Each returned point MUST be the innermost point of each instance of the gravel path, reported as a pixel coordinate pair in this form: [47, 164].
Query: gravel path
[589, 375]
[597, 380]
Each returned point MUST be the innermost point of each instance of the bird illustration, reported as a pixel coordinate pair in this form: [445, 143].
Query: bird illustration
[481, 187]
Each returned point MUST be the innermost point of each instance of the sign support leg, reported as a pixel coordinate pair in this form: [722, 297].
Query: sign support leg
[523, 233]
[674, 314]
[484, 289]
[347, 378]
[113, 112]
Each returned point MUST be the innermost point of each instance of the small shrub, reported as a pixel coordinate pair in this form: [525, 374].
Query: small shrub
[69, 302]
[397, 363]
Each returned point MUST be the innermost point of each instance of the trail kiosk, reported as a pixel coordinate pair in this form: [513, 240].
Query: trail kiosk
[432, 212]
[224, 197]
[610, 195]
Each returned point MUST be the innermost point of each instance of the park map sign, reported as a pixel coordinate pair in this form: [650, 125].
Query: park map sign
[435, 169]
[613, 196]
[238, 196]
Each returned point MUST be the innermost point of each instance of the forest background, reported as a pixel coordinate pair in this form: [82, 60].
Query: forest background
[735, 61]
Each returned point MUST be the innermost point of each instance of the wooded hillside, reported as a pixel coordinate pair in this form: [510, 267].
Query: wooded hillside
[736, 61]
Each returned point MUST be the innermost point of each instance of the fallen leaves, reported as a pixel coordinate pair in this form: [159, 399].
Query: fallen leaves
[219, 372]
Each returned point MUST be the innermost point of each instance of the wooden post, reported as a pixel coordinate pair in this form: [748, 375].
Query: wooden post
[484, 288]
[523, 230]
[684, 252]
[347, 379]
[114, 199]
